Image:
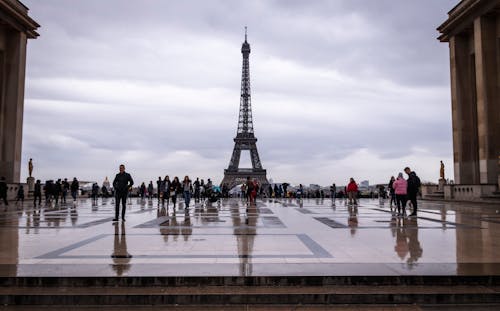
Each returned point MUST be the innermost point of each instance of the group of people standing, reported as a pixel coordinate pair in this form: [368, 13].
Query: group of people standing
[55, 191]
[403, 190]
[167, 190]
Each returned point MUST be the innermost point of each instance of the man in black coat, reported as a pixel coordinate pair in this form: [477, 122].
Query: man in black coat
[37, 193]
[413, 188]
[123, 181]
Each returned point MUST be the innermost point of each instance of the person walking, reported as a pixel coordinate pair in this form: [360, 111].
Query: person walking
[122, 182]
[174, 189]
[37, 193]
[159, 188]
[249, 188]
[142, 191]
[150, 190]
[333, 192]
[57, 190]
[20, 194]
[255, 191]
[3, 191]
[413, 188]
[75, 186]
[391, 191]
[400, 187]
[196, 185]
[187, 188]
[166, 191]
[352, 191]
[95, 192]
[65, 189]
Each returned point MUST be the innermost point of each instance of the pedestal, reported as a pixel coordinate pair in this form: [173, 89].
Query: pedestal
[441, 184]
[31, 183]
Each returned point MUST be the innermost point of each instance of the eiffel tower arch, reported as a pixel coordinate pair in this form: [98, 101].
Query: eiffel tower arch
[245, 138]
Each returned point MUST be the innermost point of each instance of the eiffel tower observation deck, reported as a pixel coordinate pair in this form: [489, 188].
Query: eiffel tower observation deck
[245, 138]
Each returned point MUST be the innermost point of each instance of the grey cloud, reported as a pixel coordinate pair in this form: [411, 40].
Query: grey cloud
[159, 81]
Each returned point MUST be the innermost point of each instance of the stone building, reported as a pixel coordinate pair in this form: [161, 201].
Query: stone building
[16, 27]
[472, 31]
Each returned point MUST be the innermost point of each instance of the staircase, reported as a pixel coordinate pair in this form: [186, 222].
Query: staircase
[253, 291]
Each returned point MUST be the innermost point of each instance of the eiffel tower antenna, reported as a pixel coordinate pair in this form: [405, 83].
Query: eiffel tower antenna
[245, 138]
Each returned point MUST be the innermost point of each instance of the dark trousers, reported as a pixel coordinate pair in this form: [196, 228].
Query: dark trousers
[123, 198]
[165, 196]
[174, 198]
[412, 197]
[401, 201]
[39, 196]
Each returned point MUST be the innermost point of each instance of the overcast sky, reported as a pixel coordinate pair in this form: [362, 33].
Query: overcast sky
[340, 88]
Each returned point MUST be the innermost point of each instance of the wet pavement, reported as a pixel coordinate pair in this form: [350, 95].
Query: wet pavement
[272, 238]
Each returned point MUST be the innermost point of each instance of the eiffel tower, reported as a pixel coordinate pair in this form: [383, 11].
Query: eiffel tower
[245, 138]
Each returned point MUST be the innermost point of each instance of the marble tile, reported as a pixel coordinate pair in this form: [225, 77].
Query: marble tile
[309, 237]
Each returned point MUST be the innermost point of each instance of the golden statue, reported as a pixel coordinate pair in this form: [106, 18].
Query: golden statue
[441, 170]
[30, 167]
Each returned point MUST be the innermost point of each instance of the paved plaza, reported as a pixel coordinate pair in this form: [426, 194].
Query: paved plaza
[273, 237]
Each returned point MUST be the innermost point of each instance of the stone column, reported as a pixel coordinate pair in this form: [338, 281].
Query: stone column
[464, 112]
[488, 108]
[12, 72]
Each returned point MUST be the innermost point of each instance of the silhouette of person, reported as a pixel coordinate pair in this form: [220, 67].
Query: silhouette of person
[123, 181]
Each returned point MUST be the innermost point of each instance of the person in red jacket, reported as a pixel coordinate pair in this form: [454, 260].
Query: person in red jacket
[352, 191]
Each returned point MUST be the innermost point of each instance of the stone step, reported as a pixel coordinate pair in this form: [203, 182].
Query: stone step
[358, 280]
[251, 295]
[216, 291]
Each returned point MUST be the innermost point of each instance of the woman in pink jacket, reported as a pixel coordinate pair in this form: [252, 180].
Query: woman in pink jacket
[400, 187]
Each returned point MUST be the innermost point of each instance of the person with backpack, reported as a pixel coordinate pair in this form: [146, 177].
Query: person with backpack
[413, 188]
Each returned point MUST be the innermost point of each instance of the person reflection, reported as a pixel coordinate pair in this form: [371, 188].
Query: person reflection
[401, 246]
[414, 246]
[170, 227]
[352, 221]
[245, 232]
[121, 257]
[186, 229]
[73, 215]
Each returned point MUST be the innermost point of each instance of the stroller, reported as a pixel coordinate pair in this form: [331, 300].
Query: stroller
[213, 194]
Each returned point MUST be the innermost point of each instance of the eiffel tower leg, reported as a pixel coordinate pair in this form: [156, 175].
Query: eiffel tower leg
[235, 158]
[254, 154]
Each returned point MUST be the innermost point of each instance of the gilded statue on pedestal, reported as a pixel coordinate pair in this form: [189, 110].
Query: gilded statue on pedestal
[30, 167]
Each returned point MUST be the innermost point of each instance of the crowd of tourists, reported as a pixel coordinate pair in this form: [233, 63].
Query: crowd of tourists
[401, 191]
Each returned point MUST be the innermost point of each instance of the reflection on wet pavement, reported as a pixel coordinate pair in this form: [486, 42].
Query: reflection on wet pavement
[272, 237]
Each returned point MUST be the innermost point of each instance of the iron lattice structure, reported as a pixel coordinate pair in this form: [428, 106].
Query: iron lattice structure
[245, 138]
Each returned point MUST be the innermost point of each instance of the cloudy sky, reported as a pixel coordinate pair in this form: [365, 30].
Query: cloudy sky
[340, 88]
